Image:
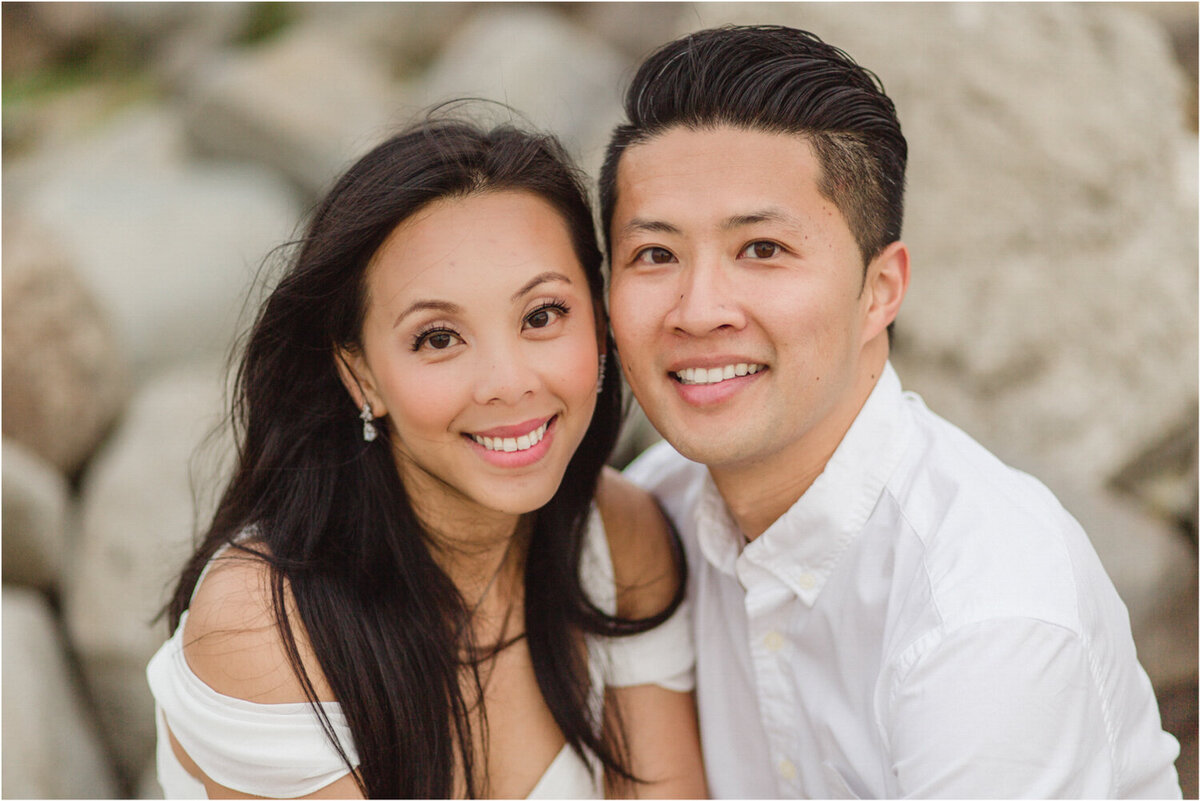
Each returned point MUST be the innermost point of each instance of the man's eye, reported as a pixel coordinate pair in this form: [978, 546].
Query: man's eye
[761, 250]
[654, 255]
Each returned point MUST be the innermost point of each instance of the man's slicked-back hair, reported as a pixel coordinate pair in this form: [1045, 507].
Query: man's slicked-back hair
[778, 80]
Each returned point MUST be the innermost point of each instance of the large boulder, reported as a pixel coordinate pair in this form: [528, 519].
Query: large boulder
[547, 69]
[168, 248]
[65, 377]
[403, 37]
[138, 516]
[36, 506]
[51, 744]
[305, 104]
[1050, 216]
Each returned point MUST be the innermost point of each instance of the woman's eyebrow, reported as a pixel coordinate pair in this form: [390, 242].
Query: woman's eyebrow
[534, 282]
[444, 306]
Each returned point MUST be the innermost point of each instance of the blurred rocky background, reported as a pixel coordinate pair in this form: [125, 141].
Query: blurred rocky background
[155, 153]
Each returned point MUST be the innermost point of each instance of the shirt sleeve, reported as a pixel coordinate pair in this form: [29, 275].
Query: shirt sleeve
[664, 655]
[1006, 708]
[276, 750]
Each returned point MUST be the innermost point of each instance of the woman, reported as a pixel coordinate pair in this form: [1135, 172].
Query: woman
[421, 580]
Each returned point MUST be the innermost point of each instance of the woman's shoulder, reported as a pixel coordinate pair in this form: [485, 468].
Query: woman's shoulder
[231, 640]
[645, 554]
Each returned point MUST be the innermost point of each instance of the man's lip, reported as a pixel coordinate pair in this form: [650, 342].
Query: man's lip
[709, 362]
[518, 430]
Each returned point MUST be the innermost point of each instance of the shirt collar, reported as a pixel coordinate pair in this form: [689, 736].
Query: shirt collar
[801, 548]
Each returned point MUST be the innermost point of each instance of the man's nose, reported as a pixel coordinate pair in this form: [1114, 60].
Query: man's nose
[705, 302]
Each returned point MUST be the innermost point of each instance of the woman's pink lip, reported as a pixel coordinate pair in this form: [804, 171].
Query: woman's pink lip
[518, 430]
[514, 459]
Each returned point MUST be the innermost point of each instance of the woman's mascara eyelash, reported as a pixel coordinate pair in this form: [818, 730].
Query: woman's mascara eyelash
[424, 334]
[558, 304]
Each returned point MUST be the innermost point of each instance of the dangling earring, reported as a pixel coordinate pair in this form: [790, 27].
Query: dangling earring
[369, 430]
[600, 380]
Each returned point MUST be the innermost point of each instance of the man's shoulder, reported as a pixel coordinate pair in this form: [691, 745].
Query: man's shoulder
[995, 541]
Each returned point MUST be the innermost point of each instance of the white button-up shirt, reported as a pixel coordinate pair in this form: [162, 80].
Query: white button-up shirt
[925, 621]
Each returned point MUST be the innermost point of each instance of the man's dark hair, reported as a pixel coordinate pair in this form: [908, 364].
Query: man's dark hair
[780, 80]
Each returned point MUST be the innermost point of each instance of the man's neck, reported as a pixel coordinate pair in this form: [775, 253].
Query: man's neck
[759, 493]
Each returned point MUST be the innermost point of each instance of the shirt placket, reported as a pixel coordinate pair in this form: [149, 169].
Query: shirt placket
[768, 608]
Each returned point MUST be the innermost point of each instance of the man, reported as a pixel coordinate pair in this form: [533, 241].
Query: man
[882, 608]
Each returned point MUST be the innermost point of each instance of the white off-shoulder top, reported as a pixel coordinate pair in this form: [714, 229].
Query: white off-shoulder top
[281, 750]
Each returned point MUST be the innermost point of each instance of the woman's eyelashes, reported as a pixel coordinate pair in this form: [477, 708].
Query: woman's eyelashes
[435, 337]
[441, 337]
[546, 314]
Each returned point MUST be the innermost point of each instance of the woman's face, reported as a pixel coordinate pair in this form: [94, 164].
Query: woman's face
[480, 346]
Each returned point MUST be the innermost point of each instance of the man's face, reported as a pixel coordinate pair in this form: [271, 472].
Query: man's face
[738, 300]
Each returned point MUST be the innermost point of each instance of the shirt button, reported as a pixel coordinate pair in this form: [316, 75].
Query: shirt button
[807, 581]
[773, 641]
[787, 770]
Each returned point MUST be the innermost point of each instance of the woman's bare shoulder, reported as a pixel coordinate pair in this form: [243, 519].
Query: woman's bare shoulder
[641, 543]
[231, 640]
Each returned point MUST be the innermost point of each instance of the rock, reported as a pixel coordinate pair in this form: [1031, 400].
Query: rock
[1163, 476]
[35, 513]
[1053, 296]
[147, 785]
[64, 376]
[637, 29]
[79, 136]
[39, 34]
[137, 522]
[305, 104]
[169, 250]
[51, 747]
[555, 74]
[403, 36]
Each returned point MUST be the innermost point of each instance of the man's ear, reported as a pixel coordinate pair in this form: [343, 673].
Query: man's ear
[884, 288]
[358, 379]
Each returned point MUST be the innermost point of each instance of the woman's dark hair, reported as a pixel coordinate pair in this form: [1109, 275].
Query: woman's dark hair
[386, 623]
[779, 80]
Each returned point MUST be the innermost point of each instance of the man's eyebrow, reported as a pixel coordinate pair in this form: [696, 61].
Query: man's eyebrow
[758, 216]
[444, 306]
[642, 225]
[537, 280]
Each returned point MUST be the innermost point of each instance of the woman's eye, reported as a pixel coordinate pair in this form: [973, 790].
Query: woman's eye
[438, 339]
[654, 255]
[545, 315]
[761, 250]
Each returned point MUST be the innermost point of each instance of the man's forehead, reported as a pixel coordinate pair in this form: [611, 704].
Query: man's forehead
[733, 177]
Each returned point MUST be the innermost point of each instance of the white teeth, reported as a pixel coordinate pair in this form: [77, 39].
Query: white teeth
[700, 375]
[513, 444]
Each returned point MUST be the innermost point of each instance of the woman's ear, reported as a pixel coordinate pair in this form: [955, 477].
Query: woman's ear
[884, 288]
[358, 380]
